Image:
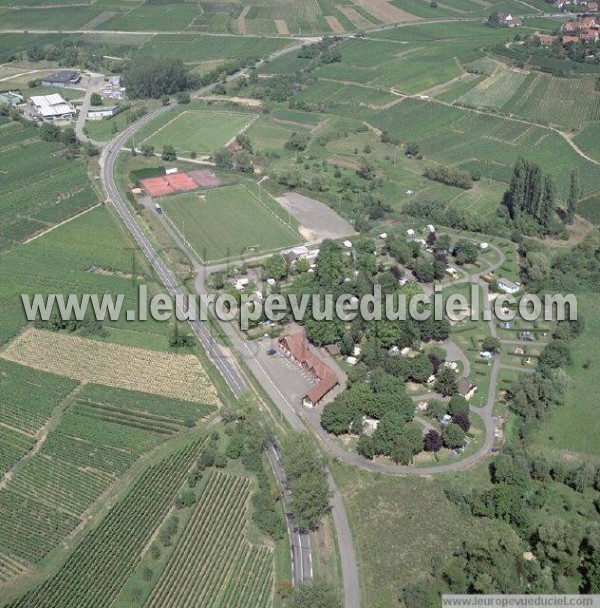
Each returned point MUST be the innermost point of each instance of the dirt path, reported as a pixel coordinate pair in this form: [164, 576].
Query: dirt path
[42, 433]
[241, 22]
[70, 219]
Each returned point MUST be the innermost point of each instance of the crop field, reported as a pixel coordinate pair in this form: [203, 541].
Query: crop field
[199, 131]
[236, 574]
[230, 221]
[28, 396]
[52, 18]
[39, 186]
[566, 102]
[157, 17]
[171, 375]
[73, 258]
[196, 48]
[98, 568]
[590, 209]
[336, 93]
[13, 445]
[589, 140]
[452, 136]
[495, 91]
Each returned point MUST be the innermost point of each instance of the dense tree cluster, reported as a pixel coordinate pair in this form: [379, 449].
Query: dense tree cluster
[307, 480]
[152, 77]
[450, 176]
[531, 200]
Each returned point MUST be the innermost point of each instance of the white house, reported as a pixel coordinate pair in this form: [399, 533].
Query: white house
[410, 232]
[484, 246]
[97, 113]
[52, 107]
[508, 286]
[351, 360]
[347, 244]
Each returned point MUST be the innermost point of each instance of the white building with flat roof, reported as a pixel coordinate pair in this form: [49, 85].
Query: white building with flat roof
[52, 107]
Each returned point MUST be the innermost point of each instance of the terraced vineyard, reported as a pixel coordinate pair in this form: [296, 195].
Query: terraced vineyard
[101, 563]
[96, 440]
[213, 565]
[40, 187]
[27, 396]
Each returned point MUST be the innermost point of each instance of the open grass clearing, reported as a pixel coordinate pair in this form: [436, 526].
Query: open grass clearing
[199, 131]
[229, 222]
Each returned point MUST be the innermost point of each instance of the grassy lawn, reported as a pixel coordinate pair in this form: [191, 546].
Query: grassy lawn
[399, 525]
[229, 222]
[199, 131]
[574, 428]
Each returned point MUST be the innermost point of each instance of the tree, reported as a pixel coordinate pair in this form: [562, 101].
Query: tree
[574, 196]
[324, 332]
[183, 97]
[155, 76]
[275, 267]
[432, 442]
[315, 595]
[307, 480]
[458, 404]
[96, 99]
[329, 272]
[494, 20]
[491, 344]
[462, 419]
[168, 153]
[466, 252]
[436, 409]
[402, 451]
[147, 149]
[453, 436]
[223, 158]
[243, 163]
[420, 368]
[445, 382]
[547, 204]
[297, 142]
[413, 150]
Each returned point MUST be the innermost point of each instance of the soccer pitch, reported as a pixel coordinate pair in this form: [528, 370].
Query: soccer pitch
[230, 222]
[199, 131]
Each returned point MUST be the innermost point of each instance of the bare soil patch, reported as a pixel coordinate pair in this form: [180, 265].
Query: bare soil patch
[282, 27]
[335, 25]
[386, 12]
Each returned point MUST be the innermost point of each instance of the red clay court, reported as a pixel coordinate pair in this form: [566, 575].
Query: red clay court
[179, 182]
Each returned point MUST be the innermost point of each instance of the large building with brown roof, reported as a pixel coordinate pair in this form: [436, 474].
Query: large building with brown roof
[296, 347]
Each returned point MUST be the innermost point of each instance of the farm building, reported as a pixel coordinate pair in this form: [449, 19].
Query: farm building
[11, 97]
[295, 346]
[508, 20]
[52, 107]
[64, 78]
[508, 286]
[101, 112]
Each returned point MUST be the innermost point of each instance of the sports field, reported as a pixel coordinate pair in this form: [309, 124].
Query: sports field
[199, 131]
[229, 222]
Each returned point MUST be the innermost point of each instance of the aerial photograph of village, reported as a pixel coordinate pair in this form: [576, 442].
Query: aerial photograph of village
[299, 303]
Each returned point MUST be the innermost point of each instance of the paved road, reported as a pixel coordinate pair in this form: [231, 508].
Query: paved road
[301, 554]
[94, 85]
[300, 543]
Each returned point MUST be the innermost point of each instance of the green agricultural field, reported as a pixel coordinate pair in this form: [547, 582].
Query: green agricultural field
[112, 549]
[495, 91]
[199, 131]
[589, 140]
[196, 48]
[52, 18]
[565, 102]
[229, 222]
[40, 187]
[451, 135]
[73, 258]
[266, 135]
[154, 18]
[241, 573]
